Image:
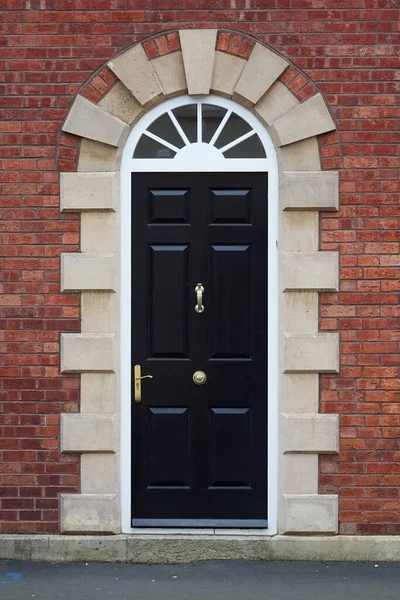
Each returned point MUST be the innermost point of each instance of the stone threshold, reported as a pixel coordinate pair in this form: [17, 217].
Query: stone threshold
[174, 549]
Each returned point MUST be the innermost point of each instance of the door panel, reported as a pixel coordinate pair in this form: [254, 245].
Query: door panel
[167, 443]
[168, 206]
[199, 451]
[230, 447]
[168, 319]
[230, 301]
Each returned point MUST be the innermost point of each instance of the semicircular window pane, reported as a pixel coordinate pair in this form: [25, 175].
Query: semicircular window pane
[211, 119]
[235, 127]
[250, 148]
[190, 124]
[187, 119]
[149, 148]
[164, 128]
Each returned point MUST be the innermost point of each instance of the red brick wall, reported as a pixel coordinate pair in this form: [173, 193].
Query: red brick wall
[48, 48]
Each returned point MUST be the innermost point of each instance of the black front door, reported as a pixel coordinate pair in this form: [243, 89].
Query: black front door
[199, 452]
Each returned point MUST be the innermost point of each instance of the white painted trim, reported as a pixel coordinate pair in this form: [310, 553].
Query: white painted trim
[129, 165]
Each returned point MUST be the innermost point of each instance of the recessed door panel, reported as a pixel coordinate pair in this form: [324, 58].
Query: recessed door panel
[231, 302]
[167, 447]
[231, 206]
[230, 448]
[199, 447]
[168, 319]
[168, 206]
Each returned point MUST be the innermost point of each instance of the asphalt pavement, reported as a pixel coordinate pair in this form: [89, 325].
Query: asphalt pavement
[217, 580]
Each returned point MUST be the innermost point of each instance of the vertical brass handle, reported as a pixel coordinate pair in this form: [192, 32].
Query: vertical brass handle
[199, 289]
[138, 382]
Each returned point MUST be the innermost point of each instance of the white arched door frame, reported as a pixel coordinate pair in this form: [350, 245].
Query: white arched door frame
[198, 157]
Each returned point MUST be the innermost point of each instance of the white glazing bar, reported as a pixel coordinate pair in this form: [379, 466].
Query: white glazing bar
[220, 127]
[199, 123]
[178, 128]
[238, 140]
[161, 141]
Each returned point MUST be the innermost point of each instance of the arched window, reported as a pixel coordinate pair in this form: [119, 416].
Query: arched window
[199, 134]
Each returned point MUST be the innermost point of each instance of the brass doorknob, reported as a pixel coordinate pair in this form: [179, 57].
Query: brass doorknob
[199, 377]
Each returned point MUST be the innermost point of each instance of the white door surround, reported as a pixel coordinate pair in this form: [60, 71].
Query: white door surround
[199, 157]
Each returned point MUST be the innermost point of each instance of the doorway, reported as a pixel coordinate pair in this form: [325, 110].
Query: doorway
[199, 319]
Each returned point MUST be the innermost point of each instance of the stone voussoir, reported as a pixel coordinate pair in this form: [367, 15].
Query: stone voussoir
[136, 73]
[120, 103]
[170, 73]
[317, 271]
[277, 101]
[226, 73]
[88, 120]
[260, 72]
[198, 50]
[308, 119]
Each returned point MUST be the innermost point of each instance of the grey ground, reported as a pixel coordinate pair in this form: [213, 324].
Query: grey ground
[222, 580]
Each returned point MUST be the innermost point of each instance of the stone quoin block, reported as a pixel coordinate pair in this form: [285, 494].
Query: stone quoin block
[310, 353]
[88, 352]
[89, 271]
[317, 271]
[309, 190]
[308, 513]
[84, 513]
[89, 191]
[310, 433]
[89, 433]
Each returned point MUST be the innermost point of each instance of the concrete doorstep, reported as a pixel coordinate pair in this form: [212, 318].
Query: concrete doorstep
[175, 549]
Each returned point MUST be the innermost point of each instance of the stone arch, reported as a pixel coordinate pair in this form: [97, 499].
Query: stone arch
[198, 62]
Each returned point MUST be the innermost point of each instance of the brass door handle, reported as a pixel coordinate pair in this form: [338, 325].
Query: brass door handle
[138, 382]
[199, 289]
[199, 377]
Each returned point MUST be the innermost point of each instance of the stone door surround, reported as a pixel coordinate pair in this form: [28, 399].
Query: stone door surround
[199, 62]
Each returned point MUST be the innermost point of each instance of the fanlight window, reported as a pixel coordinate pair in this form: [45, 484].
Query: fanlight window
[199, 123]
